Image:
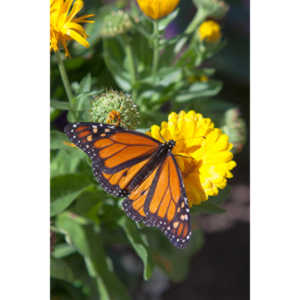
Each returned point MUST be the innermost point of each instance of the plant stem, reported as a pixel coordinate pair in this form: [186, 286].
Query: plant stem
[198, 18]
[155, 48]
[200, 15]
[92, 269]
[103, 293]
[65, 80]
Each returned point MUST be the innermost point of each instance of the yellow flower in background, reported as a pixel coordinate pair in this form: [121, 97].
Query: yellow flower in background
[156, 9]
[194, 78]
[210, 31]
[64, 26]
[201, 151]
[203, 78]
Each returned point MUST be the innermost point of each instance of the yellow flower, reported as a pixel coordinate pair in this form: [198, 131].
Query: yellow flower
[203, 78]
[194, 78]
[210, 31]
[64, 26]
[201, 151]
[156, 9]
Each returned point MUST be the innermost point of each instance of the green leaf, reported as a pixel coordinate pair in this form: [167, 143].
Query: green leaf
[86, 83]
[82, 285]
[68, 161]
[164, 22]
[63, 250]
[65, 189]
[199, 90]
[169, 75]
[57, 140]
[59, 269]
[88, 242]
[82, 102]
[110, 212]
[114, 57]
[60, 105]
[54, 114]
[89, 203]
[138, 241]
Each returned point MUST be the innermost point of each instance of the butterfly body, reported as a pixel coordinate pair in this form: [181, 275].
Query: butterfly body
[143, 170]
[156, 159]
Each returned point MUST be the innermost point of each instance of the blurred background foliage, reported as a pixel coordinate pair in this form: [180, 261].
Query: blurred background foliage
[96, 251]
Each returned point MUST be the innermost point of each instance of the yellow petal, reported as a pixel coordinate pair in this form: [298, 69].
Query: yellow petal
[77, 6]
[77, 37]
[157, 9]
[82, 19]
[201, 151]
[67, 5]
[77, 27]
[222, 143]
[63, 25]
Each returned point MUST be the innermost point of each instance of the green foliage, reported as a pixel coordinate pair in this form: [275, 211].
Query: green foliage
[88, 243]
[65, 189]
[139, 243]
[93, 233]
[175, 262]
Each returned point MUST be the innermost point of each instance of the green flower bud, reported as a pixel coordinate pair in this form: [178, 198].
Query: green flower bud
[214, 8]
[115, 108]
[115, 23]
[220, 9]
[235, 128]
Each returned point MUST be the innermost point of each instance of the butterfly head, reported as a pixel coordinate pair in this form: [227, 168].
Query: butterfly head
[171, 144]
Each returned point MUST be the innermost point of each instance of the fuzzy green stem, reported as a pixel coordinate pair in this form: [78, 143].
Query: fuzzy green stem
[198, 18]
[155, 48]
[200, 15]
[101, 289]
[92, 269]
[65, 80]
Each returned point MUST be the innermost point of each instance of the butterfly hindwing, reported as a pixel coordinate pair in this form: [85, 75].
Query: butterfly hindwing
[160, 201]
[133, 165]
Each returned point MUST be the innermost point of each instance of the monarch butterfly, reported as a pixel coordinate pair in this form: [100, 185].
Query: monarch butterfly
[141, 169]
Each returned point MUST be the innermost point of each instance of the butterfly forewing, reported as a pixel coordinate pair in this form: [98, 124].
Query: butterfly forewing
[117, 154]
[134, 165]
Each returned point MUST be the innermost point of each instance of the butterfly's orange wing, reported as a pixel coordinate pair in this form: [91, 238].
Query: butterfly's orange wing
[117, 154]
[160, 201]
[123, 164]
